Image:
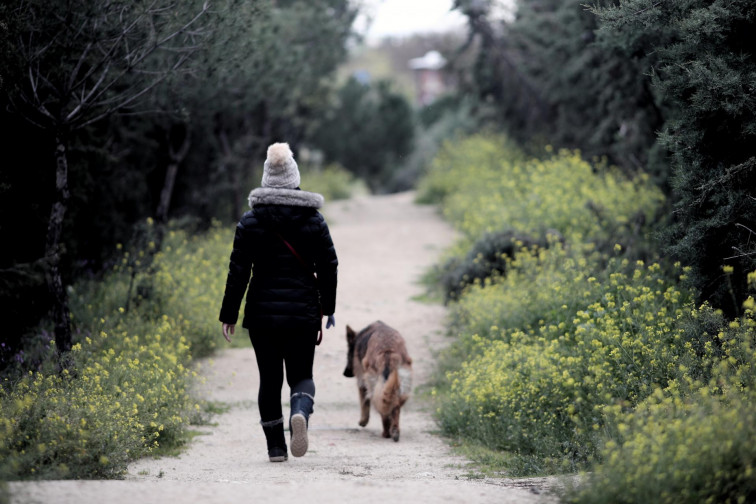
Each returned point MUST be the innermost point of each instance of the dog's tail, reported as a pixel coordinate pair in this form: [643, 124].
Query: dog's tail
[398, 380]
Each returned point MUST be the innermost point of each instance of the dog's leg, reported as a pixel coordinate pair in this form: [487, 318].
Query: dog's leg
[386, 425]
[395, 424]
[364, 405]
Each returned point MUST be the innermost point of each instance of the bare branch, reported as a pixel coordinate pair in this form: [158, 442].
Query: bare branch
[138, 60]
[107, 54]
[737, 224]
[38, 103]
[79, 63]
[84, 101]
[205, 7]
[740, 255]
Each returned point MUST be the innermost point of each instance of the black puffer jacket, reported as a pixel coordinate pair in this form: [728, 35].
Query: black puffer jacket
[282, 294]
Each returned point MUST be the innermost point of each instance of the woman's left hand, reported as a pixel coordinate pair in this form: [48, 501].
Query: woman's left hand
[228, 330]
[331, 322]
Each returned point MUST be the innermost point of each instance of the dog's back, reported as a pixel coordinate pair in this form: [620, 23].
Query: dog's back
[387, 363]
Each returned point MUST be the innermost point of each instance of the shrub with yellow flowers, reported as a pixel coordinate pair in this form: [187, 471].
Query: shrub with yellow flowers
[690, 442]
[124, 394]
[486, 185]
[571, 355]
[542, 372]
[127, 388]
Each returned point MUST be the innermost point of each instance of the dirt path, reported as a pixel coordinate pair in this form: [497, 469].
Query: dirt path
[384, 244]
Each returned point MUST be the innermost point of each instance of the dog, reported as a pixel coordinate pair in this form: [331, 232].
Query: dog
[378, 357]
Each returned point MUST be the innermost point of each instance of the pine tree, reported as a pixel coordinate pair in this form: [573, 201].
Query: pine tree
[705, 70]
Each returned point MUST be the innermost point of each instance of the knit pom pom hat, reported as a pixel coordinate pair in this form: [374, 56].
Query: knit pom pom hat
[280, 171]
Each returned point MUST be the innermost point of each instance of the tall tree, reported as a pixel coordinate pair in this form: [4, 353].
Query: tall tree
[547, 80]
[80, 62]
[368, 131]
[704, 66]
[266, 77]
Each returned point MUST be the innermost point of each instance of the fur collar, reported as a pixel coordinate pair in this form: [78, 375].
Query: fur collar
[287, 197]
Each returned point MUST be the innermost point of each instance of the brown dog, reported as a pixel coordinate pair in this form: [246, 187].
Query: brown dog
[378, 357]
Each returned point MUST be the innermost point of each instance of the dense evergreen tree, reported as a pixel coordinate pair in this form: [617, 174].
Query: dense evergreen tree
[77, 63]
[369, 131]
[244, 74]
[543, 77]
[704, 66]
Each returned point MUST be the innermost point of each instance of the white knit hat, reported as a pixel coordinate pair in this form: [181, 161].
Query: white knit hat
[280, 171]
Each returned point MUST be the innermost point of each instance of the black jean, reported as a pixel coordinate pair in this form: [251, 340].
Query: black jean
[275, 350]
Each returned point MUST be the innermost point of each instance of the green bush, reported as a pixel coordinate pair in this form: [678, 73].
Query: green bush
[547, 349]
[127, 388]
[562, 352]
[692, 441]
[124, 395]
[333, 182]
[184, 281]
[488, 256]
[487, 186]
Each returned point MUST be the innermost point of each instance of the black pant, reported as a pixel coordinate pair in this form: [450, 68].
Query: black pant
[273, 351]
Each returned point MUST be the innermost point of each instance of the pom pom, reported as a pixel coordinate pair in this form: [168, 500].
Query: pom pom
[279, 154]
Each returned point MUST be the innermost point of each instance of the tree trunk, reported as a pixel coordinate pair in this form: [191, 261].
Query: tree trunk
[61, 317]
[176, 157]
[236, 201]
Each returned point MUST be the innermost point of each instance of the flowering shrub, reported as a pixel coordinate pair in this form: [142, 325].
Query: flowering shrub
[125, 394]
[334, 182]
[681, 451]
[487, 186]
[691, 442]
[542, 372]
[127, 389]
[571, 355]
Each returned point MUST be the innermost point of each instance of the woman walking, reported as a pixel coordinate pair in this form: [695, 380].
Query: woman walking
[284, 243]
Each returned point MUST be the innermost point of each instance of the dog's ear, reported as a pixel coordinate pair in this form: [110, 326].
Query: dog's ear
[350, 334]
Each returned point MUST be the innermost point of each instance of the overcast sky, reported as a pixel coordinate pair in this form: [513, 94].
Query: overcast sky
[405, 17]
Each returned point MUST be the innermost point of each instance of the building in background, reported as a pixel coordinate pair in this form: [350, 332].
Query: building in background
[429, 78]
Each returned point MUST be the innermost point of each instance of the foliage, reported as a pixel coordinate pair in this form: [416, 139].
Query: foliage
[539, 384]
[524, 298]
[333, 182]
[448, 118]
[368, 132]
[542, 78]
[128, 389]
[487, 186]
[127, 395]
[689, 443]
[703, 66]
[183, 281]
[575, 357]
[489, 256]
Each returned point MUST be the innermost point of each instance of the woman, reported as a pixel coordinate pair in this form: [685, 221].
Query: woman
[285, 244]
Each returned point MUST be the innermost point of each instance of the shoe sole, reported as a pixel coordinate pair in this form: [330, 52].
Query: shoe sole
[281, 458]
[299, 442]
